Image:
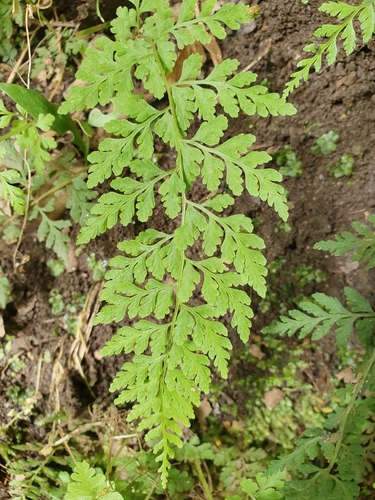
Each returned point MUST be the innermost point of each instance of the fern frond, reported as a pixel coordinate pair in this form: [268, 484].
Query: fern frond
[175, 340]
[50, 231]
[325, 313]
[363, 244]
[332, 32]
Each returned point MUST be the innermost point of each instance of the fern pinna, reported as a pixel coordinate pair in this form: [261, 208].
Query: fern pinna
[174, 342]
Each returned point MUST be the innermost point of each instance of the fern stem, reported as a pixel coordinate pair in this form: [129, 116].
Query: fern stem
[203, 480]
[59, 186]
[150, 493]
[27, 206]
[179, 163]
[349, 408]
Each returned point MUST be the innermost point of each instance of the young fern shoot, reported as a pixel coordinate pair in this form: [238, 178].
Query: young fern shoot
[174, 340]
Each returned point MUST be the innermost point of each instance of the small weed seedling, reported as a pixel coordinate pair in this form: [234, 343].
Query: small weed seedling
[326, 143]
[286, 159]
[344, 168]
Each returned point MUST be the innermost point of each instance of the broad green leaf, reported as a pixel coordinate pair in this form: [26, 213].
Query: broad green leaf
[36, 104]
[86, 483]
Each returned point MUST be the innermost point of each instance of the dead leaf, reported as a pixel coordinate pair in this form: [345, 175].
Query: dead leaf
[72, 259]
[273, 397]
[326, 409]
[347, 80]
[214, 50]
[2, 328]
[348, 265]
[236, 427]
[195, 48]
[97, 356]
[255, 351]
[348, 376]
[203, 411]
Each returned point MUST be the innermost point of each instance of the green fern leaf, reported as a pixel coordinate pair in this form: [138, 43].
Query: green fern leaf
[323, 315]
[13, 193]
[367, 19]
[173, 340]
[135, 338]
[79, 198]
[364, 247]
[4, 290]
[345, 13]
[189, 279]
[50, 232]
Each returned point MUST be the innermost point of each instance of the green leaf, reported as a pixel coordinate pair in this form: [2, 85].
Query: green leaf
[86, 483]
[210, 132]
[363, 244]
[79, 198]
[137, 338]
[171, 191]
[50, 232]
[191, 66]
[189, 279]
[342, 11]
[367, 19]
[321, 316]
[36, 104]
[189, 232]
[211, 338]
[13, 193]
[185, 106]
[265, 488]
[212, 237]
[5, 116]
[4, 290]
[269, 191]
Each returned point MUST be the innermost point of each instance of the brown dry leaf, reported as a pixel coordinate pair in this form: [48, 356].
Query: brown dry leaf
[97, 355]
[236, 427]
[348, 376]
[72, 259]
[176, 10]
[196, 47]
[214, 50]
[326, 409]
[273, 397]
[203, 411]
[2, 328]
[255, 351]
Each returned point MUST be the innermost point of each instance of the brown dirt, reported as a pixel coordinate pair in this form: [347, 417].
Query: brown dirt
[339, 98]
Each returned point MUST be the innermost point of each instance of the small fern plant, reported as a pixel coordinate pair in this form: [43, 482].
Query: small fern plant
[332, 462]
[175, 339]
[345, 30]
